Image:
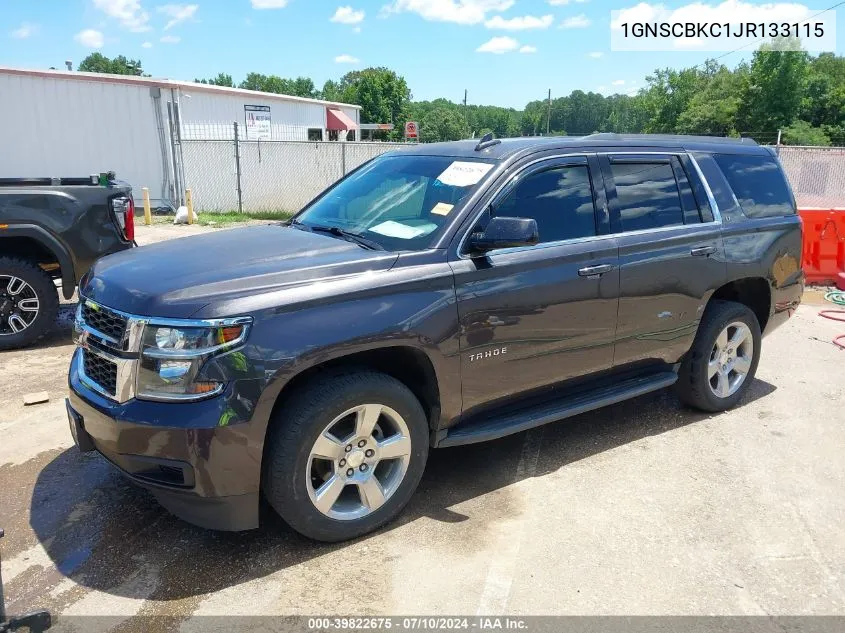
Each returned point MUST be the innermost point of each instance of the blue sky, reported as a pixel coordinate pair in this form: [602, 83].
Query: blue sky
[504, 52]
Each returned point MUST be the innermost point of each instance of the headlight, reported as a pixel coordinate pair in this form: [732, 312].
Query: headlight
[172, 356]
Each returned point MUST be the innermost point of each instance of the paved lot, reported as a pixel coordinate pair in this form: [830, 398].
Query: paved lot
[640, 508]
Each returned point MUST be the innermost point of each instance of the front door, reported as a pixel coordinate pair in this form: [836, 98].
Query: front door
[536, 316]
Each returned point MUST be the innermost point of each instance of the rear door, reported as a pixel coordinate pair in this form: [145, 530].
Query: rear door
[671, 255]
[540, 315]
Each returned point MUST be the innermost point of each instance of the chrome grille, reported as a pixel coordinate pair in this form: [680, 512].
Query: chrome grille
[100, 370]
[104, 320]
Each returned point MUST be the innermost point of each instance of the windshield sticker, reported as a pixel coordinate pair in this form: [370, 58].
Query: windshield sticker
[402, 231]
[442, 208]
[463, 174]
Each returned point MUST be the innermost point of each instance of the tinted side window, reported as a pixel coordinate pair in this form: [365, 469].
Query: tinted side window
[647, 195]
[758, 184]
[560, 200]
[691, 215]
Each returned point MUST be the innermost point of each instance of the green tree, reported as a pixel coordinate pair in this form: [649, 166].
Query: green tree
[773, 94]
[713, 109]
[99, 63]
[803, 133]
[443, 124]
[299, 87]
[383, 95]
[222, 79]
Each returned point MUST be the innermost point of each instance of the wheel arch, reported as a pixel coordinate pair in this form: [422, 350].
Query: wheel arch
[28, 240]
[753, 292]
[408, 364]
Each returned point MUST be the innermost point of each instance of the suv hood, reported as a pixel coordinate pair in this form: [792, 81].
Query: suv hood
[178, 278]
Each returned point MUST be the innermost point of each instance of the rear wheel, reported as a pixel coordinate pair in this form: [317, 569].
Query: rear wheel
[28, 302]
[345, 455]
[723, 360]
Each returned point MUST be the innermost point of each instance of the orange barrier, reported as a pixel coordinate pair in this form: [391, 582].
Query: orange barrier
[824, 244]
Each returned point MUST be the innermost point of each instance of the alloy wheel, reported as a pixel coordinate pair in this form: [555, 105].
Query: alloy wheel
[358, 462]
[730, 360]
[18, 305]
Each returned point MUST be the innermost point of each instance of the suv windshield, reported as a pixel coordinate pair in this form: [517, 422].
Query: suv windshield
[399, 202]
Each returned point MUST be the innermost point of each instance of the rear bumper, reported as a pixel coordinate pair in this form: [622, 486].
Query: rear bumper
[202, 472]
[785, 301]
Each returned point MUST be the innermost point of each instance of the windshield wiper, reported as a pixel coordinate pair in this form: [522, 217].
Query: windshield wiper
[349, 236]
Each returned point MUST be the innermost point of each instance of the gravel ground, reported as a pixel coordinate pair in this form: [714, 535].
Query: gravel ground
[642, 508]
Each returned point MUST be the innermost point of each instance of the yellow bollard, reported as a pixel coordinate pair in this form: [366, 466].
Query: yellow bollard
[189, 202]
[148, 216]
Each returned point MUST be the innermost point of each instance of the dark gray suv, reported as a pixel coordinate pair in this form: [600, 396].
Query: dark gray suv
[447, 294]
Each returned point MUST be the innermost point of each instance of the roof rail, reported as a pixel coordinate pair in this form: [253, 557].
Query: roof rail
[612, 136]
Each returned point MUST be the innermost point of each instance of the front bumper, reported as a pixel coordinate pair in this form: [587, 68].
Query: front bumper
[199, 459]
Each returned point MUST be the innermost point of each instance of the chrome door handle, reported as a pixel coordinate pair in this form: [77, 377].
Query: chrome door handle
[591, 271]
[702, 251]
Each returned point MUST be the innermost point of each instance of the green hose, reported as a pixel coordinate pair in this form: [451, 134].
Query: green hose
[836, 296]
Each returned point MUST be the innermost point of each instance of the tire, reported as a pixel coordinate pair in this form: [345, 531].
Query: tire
[16, 307]
[292, 474]
[697, 385]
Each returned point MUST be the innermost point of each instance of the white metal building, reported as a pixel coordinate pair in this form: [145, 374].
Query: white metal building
[62, 123]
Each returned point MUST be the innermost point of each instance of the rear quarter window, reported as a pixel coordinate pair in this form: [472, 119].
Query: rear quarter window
[758, 183]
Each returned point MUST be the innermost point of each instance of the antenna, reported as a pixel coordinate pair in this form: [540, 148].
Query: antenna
[487, 141]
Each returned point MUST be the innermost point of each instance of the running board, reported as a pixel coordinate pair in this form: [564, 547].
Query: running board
[528, 418]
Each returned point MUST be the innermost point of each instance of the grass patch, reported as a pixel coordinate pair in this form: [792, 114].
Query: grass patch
[234, 217]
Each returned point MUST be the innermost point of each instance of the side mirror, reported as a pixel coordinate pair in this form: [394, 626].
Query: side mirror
[503, 232]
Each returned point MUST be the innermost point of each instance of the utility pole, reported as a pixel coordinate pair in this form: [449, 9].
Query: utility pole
[549, 113]
[465, 98]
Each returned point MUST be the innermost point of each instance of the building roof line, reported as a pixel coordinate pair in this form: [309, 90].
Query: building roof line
[163, 83]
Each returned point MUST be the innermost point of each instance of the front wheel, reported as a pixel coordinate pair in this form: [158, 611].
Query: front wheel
[345, 455]
[723, 360]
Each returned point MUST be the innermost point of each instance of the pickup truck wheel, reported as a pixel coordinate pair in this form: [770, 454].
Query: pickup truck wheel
[723, 359]
[345, 455]
[28, 302]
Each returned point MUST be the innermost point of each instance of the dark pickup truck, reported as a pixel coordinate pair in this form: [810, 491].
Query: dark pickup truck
[447, 294]
[54, 229]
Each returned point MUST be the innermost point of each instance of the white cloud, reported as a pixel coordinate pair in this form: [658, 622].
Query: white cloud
[347, 15]
[528, 49]
[170, 39]
[498, 45]
[580, 21]
[269, 4]
[457, 11]
[595, 54]
[90, 38]
[178, 13]
[619, 82]
[346, 59]
[24, 31]
[562, 3]
[147, 45]
[519, 24]
[129, 13]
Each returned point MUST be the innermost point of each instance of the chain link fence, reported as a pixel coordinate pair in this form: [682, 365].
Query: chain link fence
[817, 175]
[225, 172]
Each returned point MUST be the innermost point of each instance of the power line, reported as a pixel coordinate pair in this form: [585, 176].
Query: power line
[723, 55]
